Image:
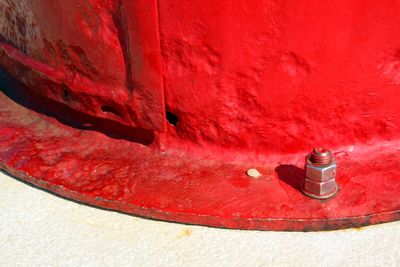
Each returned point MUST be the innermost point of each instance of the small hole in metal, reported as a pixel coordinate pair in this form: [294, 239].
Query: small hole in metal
[172, 118]
[65, 94]
[111, 110]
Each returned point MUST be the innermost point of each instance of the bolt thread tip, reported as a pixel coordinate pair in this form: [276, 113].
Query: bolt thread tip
[321, 156]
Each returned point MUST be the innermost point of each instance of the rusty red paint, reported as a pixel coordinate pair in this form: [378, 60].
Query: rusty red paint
[86, 48]
[249, 84]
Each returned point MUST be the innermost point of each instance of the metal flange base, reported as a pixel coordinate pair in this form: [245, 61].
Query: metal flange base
[114, 173]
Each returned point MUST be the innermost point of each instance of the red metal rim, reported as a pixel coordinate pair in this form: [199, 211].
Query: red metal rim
[118, 174]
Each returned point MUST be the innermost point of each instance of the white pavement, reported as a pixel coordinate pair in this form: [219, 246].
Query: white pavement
[41, 229]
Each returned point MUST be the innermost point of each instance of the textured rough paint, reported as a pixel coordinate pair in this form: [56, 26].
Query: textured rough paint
[123, 175]
[18, 25]
[85, 43]
[281, 76]
[255, 82]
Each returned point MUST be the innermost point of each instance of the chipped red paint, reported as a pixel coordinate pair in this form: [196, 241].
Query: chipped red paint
[108, 62]
[249, 84]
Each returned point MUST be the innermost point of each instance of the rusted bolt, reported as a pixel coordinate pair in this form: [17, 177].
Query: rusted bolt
[320, 177]
[321, 156]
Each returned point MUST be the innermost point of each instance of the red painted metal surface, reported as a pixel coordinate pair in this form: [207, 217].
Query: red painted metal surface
[105, 56]
[244, 83]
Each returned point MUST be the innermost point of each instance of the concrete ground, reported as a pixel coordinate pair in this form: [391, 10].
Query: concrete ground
[40, 229]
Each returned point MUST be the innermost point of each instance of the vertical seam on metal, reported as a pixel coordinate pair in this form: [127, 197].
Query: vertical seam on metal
[158, 23]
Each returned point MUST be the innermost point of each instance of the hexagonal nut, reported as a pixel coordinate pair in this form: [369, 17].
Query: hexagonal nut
[320, 188]
[321, 173]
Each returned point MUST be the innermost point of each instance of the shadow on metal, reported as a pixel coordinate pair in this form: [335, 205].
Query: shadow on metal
[68, 116]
